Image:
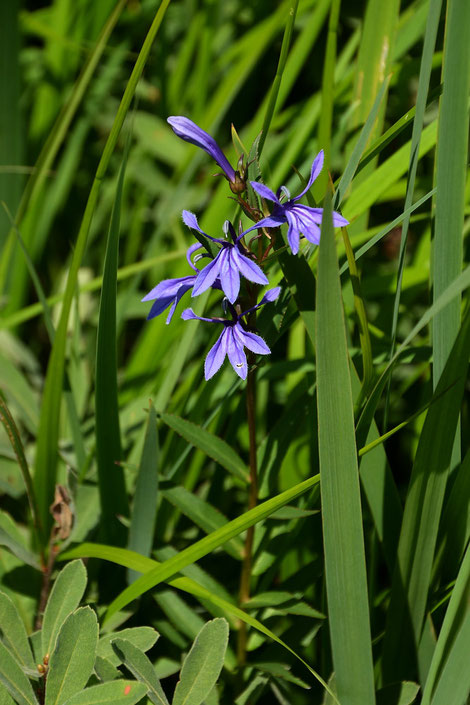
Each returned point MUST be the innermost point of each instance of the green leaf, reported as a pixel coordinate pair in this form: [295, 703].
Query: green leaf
[105, 670]
[72, 661]
[65, 597]
[142, 638]
[144, 507]
[346, 581]
[207, 544]
[141, 668]
[13, 540]
[398, 694]
[46, 454]
[451, 174]
[132, 560]
[14, 680]
[203, 514]
[13, 633]
[113, 497]
[118, 693]
[213, 446]
[423, 511]
[444, 681]
[203, 664]
[12, 431]
[5, 697]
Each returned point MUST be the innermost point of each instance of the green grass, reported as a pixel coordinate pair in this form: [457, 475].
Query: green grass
[358, 574]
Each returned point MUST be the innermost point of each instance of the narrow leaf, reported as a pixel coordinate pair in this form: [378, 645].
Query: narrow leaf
[71, 663]
[120, 692]
[213, 446]
[346, 581]
[203, 664]
[13, 633]
[141, 668]
[65, 597]
[14, 680]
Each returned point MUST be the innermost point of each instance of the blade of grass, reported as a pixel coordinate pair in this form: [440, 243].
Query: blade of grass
[327, 98]
[55, 140]
[286, 40]
[207, 544]
[346, 580]
[112, 490]
[139, 563]
[144, 508]
[50, 409]
[448, 652]
[15, 439]
[432, 24]
[451, 168]
[422, 514]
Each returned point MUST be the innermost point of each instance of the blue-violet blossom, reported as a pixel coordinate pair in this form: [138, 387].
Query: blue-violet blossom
[302, 220]
[170, 291]
[233, 339]
[228, 264]
[188, 130]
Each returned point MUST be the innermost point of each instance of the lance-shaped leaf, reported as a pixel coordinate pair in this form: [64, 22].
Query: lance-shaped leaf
[14, 680]
[117, 693]
[141, 668]
[65, 597]
[202, 666]
[13, 632]
[72, 661]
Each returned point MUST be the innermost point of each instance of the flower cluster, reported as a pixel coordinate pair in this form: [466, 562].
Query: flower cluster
[234, 258]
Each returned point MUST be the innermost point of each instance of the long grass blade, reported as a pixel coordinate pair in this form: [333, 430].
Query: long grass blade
[346, 580]
[50, 409]
[113, 498]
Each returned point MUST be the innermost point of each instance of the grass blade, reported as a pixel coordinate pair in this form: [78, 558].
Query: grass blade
[451, 167]
[134, 561]
[286, 40]
[46, 460]
[113, 498]
[144, 508]
[346, 580]
[422, 514]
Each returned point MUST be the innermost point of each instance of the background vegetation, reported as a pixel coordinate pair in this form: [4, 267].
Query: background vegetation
[365, 576]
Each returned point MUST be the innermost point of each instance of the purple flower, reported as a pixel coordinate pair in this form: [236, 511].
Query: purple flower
[228, 264]
[301, 219]
[188, 130]
[170, 291]
[233, 339]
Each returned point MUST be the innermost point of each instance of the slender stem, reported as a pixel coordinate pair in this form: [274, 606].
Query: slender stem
[46, 581]
[245, 578]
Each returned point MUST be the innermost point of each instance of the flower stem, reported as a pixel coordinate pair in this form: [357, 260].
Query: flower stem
[245, 578]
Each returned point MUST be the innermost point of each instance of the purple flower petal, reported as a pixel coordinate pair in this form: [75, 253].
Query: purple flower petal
[228, 273]
[248, 268]
[190, 132]
[293, 235]
[191, 250]
[250, 340]
[190, 220]
[271, 221]
[207, 276]
[188, 315]
[236, 354]
[317, 166]
[159, 306]
[269, 297]
[339, 221]
[264, 191]
[169, 287]
[216, 355]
